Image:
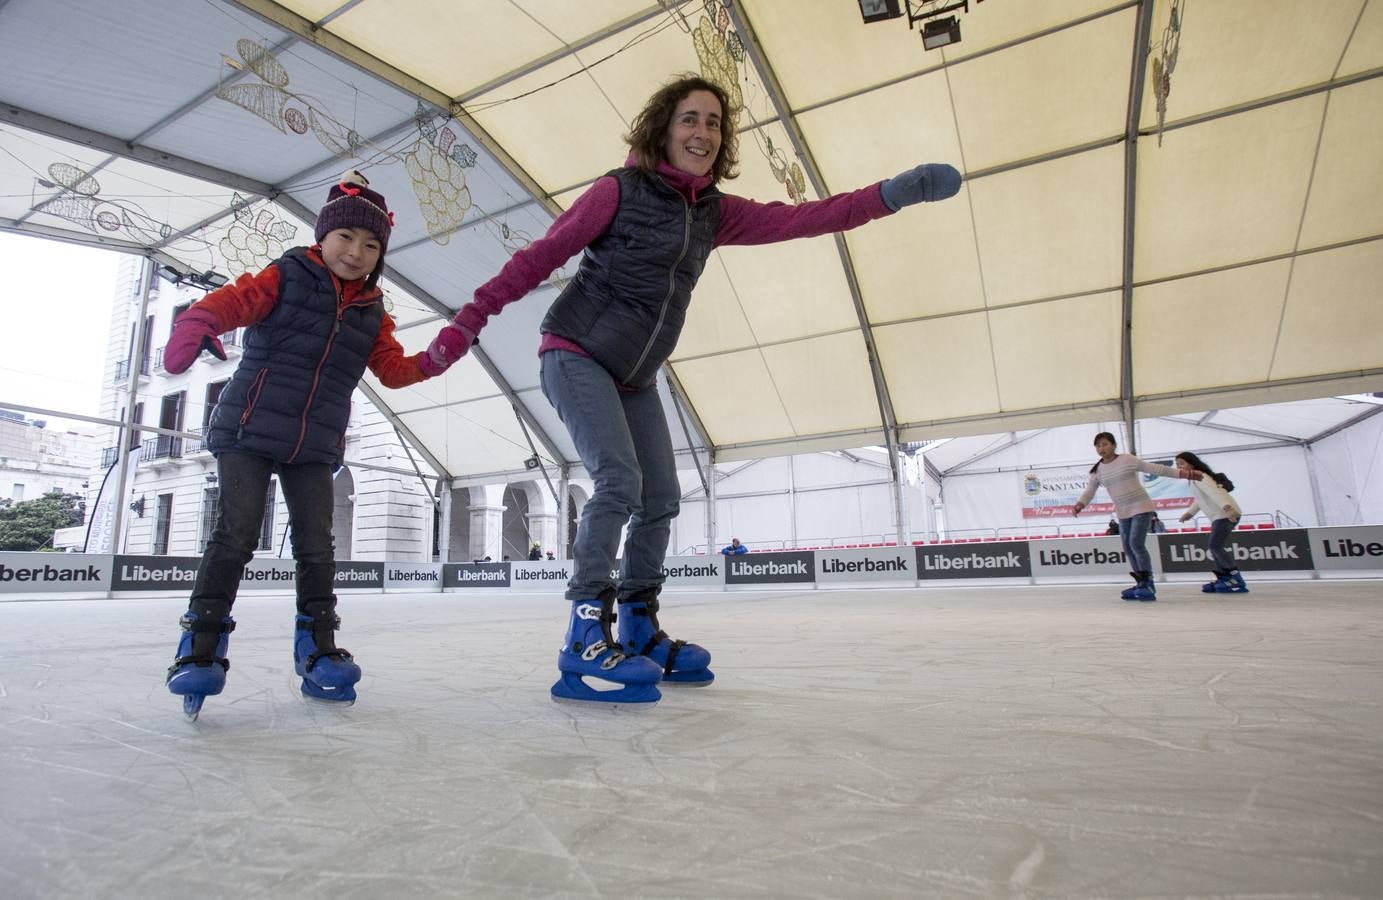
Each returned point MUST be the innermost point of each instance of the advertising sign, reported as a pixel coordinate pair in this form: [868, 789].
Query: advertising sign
[412, 576]
[154, 573]
[1004, 559]
[1079, 556]
[872, 564]
[30, 573]
[1052, 493]
[1359, 547]
[793, 567]
[268, 574]
[541, 574]
[695, 571]
[476, 575]
[1280, 549]
[359, 575]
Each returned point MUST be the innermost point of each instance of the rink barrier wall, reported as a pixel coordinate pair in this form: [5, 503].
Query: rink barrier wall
[1356, 550]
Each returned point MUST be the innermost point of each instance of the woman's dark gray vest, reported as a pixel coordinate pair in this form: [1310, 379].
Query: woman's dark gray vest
[290, 398]
[628, 302]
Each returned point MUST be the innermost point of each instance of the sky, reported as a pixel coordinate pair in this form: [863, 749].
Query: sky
[53, 343]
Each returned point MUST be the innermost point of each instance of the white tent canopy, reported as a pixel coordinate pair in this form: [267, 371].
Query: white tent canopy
[1097, 265]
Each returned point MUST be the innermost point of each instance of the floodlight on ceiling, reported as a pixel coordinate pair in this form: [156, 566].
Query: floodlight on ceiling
[938, 29]
[940, 33]
[880, 10]
[209, 280]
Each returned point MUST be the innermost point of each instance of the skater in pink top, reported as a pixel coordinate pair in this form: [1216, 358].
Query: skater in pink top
[1119, 473]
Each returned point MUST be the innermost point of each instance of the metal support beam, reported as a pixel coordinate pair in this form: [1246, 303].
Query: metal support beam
[1236, 429]
[758, 58]
[1369, 413]
[1137, 76]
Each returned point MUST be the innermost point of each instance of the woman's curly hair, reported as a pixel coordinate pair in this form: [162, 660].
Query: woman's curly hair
[649, 131]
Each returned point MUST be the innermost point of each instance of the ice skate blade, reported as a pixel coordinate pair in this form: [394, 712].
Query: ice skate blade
[571, 688]
[698, 678]
[340, 696]
[192, 705]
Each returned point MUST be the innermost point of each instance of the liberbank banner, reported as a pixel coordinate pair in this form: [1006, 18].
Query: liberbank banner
[793, 567]
[31, 573]
[1002, 559]
[1081, 556]
[1274, 550]
[1359, 547]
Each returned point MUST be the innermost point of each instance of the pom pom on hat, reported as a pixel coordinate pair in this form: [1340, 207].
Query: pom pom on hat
[351, 204]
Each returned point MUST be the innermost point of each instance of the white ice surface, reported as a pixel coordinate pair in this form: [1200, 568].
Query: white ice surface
[996, 742]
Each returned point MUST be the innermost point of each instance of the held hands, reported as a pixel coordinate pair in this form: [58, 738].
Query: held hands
[1075, 510]
[932, 181]
[1193, 475]
[450, 344]
[194, 332]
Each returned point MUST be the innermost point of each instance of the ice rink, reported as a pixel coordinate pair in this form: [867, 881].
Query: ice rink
[1047, 741]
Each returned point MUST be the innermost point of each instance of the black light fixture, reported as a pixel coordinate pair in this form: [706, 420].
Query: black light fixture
[940, 32]
[938, 29]
[209, 280]
[879, 10]
[532, 462]
[137, 507]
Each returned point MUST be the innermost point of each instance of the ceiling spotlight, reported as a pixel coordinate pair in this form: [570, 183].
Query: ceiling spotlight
[879, 10]
[940, 32]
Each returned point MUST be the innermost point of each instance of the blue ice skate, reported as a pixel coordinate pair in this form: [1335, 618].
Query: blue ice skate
[1145, 590]
[1218, 586]
[1128, 593]
[328, 672]
[1232, 583]
[591, 651]
[196, 676]
[639, 633]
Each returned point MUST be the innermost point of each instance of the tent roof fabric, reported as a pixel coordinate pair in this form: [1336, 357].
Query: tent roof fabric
[1169, 206]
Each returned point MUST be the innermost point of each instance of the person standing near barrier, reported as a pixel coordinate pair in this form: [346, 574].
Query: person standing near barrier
[645, 231]
[1210, 495]
[734, 548]
[1119, 474]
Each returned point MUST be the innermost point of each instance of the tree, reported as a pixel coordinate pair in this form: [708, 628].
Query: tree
[29, 524]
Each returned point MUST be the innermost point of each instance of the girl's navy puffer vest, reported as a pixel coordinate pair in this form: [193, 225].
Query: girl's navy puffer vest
[290, 398]
[628, 302]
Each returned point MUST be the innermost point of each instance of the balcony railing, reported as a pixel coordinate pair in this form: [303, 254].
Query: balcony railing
[162, 446]
[122, 369]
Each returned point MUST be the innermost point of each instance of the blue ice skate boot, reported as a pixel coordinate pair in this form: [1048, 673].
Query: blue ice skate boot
[199, 671]
[1232, 583]
[1145, 590]
[639, 634]
[328, 672]
[1128, 593]
[590, 650]
[1218, 586]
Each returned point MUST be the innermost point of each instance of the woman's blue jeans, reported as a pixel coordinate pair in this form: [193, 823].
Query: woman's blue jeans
[1219, 544]
[623, 441]
[1133, 531]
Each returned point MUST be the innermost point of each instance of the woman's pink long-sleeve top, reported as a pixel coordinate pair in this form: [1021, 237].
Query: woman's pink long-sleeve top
[742, 222]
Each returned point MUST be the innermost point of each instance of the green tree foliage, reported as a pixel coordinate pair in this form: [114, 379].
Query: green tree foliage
[29, 524]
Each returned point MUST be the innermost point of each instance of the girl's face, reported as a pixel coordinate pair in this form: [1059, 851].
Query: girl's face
[350, 253]
[1182, 465]
[693, 135]
[1105, 447]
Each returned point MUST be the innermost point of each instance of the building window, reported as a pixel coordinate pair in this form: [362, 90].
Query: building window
[266, 528]
[210, 498]
[162, 524]
[213, 394]
[18, 493]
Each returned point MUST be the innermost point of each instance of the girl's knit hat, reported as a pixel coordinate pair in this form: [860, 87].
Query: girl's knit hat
[351, 204]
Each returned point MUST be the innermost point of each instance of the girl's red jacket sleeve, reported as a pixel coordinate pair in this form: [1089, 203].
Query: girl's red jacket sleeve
[250, 298]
